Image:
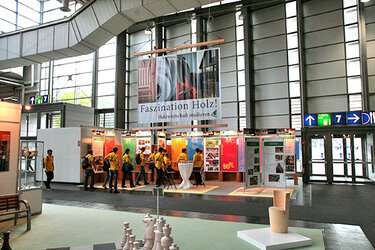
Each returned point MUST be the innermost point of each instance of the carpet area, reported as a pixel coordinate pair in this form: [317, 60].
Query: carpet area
[257, 192]
[69, 226]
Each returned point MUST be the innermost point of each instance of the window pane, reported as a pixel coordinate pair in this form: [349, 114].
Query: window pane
[294, 89]
[241, 93]
[352, 50]
[239, 33]
[29, 13]
[109, 120]
[6, 27]
[241, 77]
[350, 16]
[291, 9]
[295, 105]
[82, 92]
[106, 102]
[84, 102]
[240, 62]
[242, 108]
[107, 50]
[354, 85]
[355, 102]
[238, 20]
[348, 3]
[293, 57]
[291, 25]
[34, 4]
[294, 73]
[9, 4]
[242, 123]
[106, 76]
[240, 48]
[292, 41]
[25, 23]
[353, 67]
[106, 89]
[296, 122]
[8, 15]
[107, 63]
[351, 33]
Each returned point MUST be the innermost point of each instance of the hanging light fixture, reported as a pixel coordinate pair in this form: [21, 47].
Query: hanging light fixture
[148, 30]
[65, 6]
[241, 16]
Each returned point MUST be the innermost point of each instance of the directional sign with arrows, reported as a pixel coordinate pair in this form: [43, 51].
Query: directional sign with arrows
[353, 118]
[368, 118]
[310, 120]
[338, 119]
[38, 99]
[32, 100]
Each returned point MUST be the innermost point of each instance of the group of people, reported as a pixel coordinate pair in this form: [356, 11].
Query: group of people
[159, 160]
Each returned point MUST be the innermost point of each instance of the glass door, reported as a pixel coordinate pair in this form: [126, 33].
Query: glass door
[318, 163]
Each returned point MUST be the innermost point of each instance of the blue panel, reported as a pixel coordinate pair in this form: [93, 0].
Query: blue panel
[354, 118]
[193, 143]
[32, 100]
[368, 118]
[45, 99]
[339, 119]
[310, 120]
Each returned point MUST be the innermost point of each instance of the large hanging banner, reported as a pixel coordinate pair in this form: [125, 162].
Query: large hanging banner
[193, 144]
[130, 144]
[212, 154]
[253, 177]
[241, 154]
[182, 87]
[273, 167]
[229, 154]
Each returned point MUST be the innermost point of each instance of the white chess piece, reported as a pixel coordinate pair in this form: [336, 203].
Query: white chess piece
[160, 223]
[131, 241]
[129, 232]
[136, 245]
[123, 241]
[149, 233]
[158, 233]
[174, 247]
[147, 216]
[166, 240]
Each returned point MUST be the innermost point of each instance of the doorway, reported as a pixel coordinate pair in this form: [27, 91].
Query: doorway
[335, 156]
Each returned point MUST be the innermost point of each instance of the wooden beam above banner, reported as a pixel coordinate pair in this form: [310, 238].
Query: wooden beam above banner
[186, 46]
[182, 126]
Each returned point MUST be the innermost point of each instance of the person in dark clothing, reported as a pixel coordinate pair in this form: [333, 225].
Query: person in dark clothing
[126, 169]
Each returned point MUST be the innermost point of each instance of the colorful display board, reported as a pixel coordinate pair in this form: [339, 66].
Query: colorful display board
[192, 145]
[289, 153]
[273, 162]
[182, 87]
[98, 146]
[130, 144]
[109, 143]
[144, 142]
[4, 150]
[253, 176]
[177, 145]
[212, 154]
[229, 154]
[241, 154]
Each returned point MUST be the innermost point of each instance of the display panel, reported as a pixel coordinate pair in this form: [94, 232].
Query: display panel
[144, 142]
[253, 176]
[273, 167]
[241, 154]
[177, 145]
[180, 87]
[212, 154]
[229, 154]
[130, 144]
[192, 145]
[4, 150]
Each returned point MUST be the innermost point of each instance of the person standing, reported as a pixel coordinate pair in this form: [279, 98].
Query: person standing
[89, 171]
[106, 166]
[49, 167]
[142, 168]
[183, 156]
[126, 169]
[198, 161]
[28, 162]
[151, 165]
[113, 169]
[159, 163]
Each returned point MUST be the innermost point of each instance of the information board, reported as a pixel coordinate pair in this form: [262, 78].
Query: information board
[253, 176]
[273, 167]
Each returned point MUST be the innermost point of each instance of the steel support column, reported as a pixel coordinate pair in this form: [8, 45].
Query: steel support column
[120, 81]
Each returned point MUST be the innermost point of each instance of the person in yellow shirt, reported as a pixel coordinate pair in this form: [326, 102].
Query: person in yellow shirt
[49, 167]
[198, 162]
[126, 169]
[142, 168]
[167, 162]
[89, 171]
[183, 156]
[159, 163]
[151, 165]
[113, 169]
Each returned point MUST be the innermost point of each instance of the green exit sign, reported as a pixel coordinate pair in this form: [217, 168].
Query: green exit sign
[324, 119]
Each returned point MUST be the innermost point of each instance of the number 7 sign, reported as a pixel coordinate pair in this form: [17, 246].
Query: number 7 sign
[338, 119]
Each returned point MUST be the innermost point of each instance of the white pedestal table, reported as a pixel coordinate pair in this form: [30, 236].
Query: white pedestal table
[185, 171]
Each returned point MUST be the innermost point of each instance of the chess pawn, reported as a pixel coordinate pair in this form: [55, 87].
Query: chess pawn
[129, 232]
[157, 243]
[131, 241]
[166, 240]
[149, 233]
[124, 239]
[136, 245]
[174, 247]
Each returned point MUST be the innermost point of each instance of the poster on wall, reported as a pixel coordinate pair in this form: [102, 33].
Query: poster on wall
[273, 162]
[212, 154]
[177, 145]
[162, 142]
[253, 176]
[144, 142]
[4, 150]
[192, 145]
[290, 161]
[229, 154]
[182, 87]
[130, 144]
[241, 154]
[98, 149]
[109, 143]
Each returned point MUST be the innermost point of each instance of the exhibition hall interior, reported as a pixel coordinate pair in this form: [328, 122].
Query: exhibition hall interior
[175, 124]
